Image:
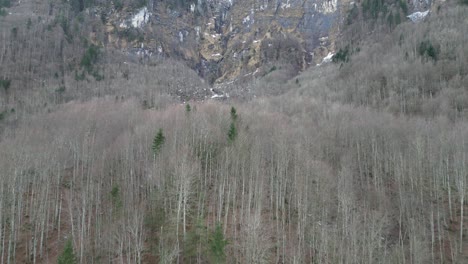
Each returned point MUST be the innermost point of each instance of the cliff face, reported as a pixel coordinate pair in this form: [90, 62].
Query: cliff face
[227, 40]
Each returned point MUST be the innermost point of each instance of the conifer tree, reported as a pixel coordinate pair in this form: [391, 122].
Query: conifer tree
[232, 133]
[217, 244]
[233, 114]
[158, 141]
[67, 256]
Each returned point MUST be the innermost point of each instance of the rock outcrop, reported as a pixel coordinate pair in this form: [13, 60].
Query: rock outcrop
[225, 40]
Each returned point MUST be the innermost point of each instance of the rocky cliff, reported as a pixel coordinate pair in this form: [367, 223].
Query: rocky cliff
[227, 40]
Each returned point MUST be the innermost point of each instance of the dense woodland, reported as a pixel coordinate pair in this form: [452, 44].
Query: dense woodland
[362, 160]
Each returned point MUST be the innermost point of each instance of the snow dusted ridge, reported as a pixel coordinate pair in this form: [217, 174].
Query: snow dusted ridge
[138, 20]
[418, 16]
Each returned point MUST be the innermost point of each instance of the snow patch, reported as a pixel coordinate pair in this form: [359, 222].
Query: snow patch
[141, 18]
[197, 32]
[138, 20]
[181, 36]
[286, 5]
[216, 94]
[327, 58]
[323, 39]
[418, 16]
[328, 7]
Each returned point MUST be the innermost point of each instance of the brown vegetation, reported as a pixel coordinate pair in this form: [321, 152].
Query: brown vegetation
[357, 162]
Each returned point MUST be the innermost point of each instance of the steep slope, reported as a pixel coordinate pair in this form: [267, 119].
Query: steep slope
[225, 40]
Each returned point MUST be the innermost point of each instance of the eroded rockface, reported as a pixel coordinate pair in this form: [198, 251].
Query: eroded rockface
[227, 40]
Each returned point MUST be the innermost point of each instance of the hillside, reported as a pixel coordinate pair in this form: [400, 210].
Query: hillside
[112, 151]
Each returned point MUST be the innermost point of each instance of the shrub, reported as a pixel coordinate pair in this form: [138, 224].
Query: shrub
[428, 50]
[5, 84]
[342, 55]
[90, 58]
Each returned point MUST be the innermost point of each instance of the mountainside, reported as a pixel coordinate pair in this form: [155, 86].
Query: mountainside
[224, 40]
[136, 131]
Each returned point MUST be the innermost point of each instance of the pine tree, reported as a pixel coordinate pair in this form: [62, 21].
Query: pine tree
[217, 245]
[188, 108]
[232, 133]
[233, 114]
[67, 256]
[158, 141]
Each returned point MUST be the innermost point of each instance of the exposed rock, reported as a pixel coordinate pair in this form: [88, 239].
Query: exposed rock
[224, 39]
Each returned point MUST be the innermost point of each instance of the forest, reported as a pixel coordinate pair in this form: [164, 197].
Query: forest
[360, 160]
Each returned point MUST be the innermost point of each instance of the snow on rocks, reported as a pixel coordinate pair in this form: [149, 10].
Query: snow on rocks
[138, 20]
[418, 16]
[327, 59]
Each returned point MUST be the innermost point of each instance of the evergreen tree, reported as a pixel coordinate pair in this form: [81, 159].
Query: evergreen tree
[217, 244]
[188, 108]
[233, 114]
[158, 141]
[67, 256]
[232, 133]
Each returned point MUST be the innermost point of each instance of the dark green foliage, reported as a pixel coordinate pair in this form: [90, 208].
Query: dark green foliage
[62, 20]
[80, 5]
[118, 4]
[88, 61]
[217, 244]
[342, 55]
[115, 196]
[3, 115]
[5, 84]
[5, 3]
[188, 108]
[158, 141]
[428, 50]
[67, 256]
[397, 18]
[463, 2]
[232, 133]
[404, 6]
[61, 89]
[196, 242]
[233, 114]
[90, 58]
